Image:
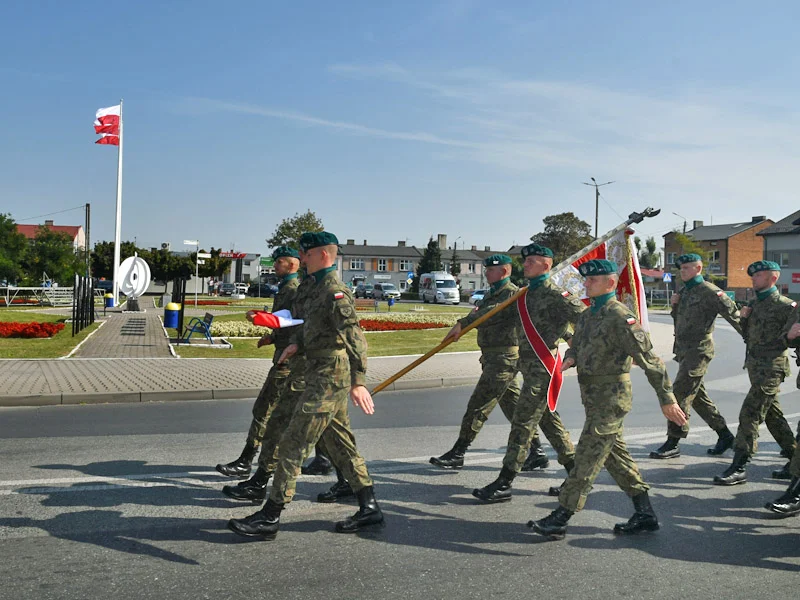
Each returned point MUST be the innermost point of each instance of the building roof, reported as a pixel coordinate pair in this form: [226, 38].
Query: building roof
[29, 231]
[787, 225]
[379, 251]
[719, 232]
[469, 255]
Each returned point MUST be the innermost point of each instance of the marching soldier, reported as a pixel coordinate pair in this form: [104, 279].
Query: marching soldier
[765, 325]
[789, 503]
[287, 263]
[335, 368]
[694, 310]
[499, 343]
[607, 337]
[551, 311]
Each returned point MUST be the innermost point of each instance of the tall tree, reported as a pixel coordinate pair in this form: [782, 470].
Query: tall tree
[52, 252]
[290, 230]
[649, 258]
[564, 234]
[165, 266]
[431, 261]
[103, 257]
[216, 266]
[455, 265]
[13, 246]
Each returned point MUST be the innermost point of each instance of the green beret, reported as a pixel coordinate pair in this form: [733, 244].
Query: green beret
[285, 251]
[536, 250]
[496, 259]
[316, 239]
[687, 258]
[597, 266]
[762, 265]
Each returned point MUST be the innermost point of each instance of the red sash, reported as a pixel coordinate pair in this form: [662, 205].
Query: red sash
[550, 362]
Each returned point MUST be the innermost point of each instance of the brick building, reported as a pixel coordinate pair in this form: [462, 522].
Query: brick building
[75, 232]
[728, 250]
[782, 245]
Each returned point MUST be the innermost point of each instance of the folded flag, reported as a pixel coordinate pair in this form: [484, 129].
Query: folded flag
[276, 320]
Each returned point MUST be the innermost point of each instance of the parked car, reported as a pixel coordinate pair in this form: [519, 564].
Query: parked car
[265, 290]
[477, 296]
[364, 290]
[226, 289]
[438, 287]
[384, 291]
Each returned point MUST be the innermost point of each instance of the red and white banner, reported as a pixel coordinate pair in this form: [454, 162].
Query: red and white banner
[551, 363]
[276, 320]
[107, 125]
[630, 290]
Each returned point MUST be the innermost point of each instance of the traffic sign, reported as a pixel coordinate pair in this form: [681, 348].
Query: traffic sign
[410, 275]
[667, 277]
[201, 262]
[203, 255]
[190, 242]
[409, 281]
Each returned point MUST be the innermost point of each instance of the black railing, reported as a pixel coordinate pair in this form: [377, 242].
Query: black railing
[82, 304]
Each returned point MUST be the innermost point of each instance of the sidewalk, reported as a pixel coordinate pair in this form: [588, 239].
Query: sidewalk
[132, 379]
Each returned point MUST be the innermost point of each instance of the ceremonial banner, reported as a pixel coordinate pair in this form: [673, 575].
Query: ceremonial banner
[630, 291]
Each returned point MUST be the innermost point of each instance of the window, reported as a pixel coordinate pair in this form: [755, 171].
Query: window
[472, 285]
[356, 264]
[247, 263]
[671, 256]
[381, 264]
[713, 256]
[406, 265]
[472, 267]
[782, 258]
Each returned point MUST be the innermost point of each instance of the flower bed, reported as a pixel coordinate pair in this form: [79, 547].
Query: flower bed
[29, 330]
[19, 301]
[384, 325]
[190, 302]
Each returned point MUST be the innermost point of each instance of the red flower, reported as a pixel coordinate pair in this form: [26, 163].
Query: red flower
[29, 330]
[376, 325]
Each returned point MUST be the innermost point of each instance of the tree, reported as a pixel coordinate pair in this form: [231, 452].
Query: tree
[214, 266]
[52, 253]
[13, 246]
[455, 265]
[290, 230]
[431, 261]
[564, 234]
[517, 272]
[649, 258]
[165, 266]
[103, 257]
[689, 246]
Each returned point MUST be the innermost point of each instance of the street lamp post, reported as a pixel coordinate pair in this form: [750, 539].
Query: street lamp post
[195, 243]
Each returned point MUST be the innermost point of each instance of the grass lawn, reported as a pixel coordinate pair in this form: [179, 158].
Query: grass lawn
[389, 343]
[57, 346]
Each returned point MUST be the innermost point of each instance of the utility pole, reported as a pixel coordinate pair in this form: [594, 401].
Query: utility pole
[86, 243]
[597, 187]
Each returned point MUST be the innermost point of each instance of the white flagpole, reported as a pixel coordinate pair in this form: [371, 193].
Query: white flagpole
[118, 226]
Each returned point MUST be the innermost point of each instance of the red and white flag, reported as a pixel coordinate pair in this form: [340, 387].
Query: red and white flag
[630, 290]
[107, 125]
[276, 320]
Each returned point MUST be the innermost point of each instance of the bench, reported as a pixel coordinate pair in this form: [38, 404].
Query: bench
[199, 326]
[365, 304]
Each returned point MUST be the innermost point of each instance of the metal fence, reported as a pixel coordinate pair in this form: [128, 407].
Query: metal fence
[82, 304]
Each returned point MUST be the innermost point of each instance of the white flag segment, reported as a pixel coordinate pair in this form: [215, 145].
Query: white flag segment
[630, 290]
[111, 111]
[276, 320]
[107, 120]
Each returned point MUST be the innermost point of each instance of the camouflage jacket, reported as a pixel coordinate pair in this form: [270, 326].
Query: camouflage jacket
[765, 330]
[501, 330]
[694, 318]
[284, 299]
[552, 310]
[331, 324]
[605, 344]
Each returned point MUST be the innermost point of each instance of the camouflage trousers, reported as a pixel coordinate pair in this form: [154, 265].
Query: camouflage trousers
[497, 385]
[602, 445]
[690, 392]
[320, 415]
[271, 391]
[761, 406]
[281, 412]
[531, 411]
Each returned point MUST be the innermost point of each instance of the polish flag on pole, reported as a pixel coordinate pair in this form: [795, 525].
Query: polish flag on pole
[107, 124]
[630, 290]
[276, 320]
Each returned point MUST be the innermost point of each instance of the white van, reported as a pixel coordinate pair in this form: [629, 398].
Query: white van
[438, 287]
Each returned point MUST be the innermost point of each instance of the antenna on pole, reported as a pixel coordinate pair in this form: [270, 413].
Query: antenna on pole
[597, 187]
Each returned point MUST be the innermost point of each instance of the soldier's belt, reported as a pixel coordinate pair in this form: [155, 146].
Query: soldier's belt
[500, 349]
[325, 352]
[589, 379]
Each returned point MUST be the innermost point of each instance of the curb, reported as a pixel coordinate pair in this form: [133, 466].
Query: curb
[212, 394]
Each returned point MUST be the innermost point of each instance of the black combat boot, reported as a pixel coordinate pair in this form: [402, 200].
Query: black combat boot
[369, 513]
[340, 489]
[253, 490]
[264, 523]
[319, 465]
[788, 504]
[497, 491]
[453, 458]
[724, 442]
[537, 458]
[555, 490]
[554, 525]
[668, 449]
[735, 474]
[643, 519]
[241, 466]
[782, 473]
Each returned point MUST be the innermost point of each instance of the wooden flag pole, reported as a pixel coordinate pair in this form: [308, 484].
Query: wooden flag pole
[632, 218]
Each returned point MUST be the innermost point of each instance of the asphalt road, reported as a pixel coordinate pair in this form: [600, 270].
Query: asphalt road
[121, 501]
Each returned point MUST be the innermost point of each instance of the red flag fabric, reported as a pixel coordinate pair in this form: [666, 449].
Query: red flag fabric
[276, 320]
[106, 123]
[111, 140]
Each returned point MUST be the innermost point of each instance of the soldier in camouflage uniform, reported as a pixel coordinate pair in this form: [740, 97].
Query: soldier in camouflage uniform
[694, 310]
[335, 368]
[765, 325]
[287, 262]
[788, 504]
[499, 344]
[552, 311]
[607, 337]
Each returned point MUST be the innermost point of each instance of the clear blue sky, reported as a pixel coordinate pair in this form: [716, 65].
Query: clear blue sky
[401, 120]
